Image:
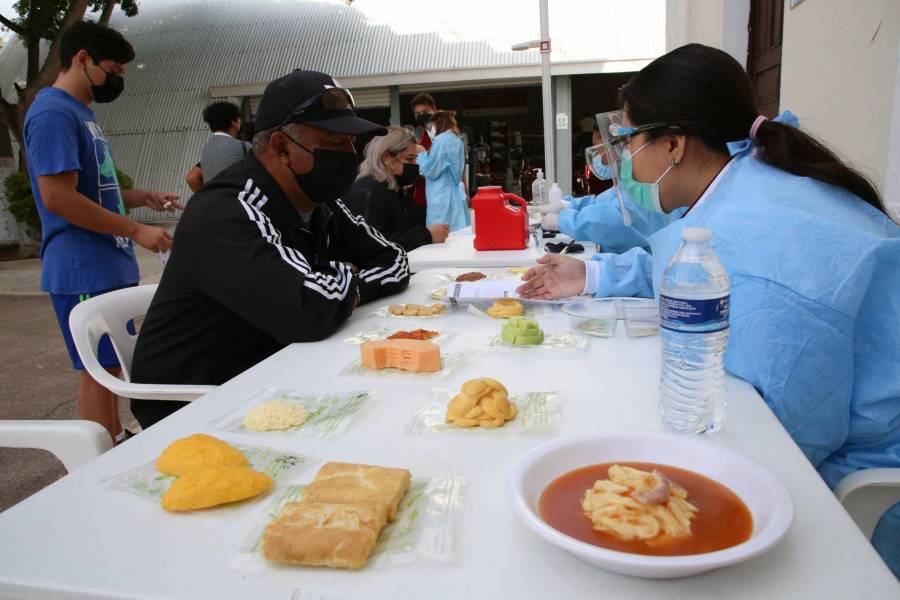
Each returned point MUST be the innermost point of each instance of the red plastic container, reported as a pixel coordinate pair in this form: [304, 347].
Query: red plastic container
[501, 220]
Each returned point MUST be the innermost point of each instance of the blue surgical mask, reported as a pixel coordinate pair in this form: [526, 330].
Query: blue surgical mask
[645, 195]
[600, 170]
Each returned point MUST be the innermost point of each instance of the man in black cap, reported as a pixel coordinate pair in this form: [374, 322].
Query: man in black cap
[267, 254]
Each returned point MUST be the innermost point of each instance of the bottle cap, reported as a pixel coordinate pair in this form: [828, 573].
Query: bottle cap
[696, 234]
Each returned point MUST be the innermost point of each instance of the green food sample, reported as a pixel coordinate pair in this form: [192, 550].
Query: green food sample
[520, 331]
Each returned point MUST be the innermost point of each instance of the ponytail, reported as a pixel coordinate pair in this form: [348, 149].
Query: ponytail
[704, 93]
[798, 153]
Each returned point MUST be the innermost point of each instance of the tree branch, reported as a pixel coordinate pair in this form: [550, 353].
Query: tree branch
[107, 12]
[51, 66]
[11, 25]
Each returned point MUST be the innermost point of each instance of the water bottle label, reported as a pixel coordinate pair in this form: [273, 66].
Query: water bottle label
[694, 316]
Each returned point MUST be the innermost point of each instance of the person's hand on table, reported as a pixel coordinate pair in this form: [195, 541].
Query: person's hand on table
[161, 201]
[439, 232]
[554, 277]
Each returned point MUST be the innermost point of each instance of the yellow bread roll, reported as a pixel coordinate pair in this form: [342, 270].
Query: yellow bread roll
[212, 486]
[198, 450]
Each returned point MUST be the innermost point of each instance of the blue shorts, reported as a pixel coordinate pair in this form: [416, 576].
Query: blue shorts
[63, 305]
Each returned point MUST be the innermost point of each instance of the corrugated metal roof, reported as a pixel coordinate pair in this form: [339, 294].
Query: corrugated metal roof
[185, 47]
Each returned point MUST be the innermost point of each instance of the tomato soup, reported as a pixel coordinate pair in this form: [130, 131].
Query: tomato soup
[723, 519]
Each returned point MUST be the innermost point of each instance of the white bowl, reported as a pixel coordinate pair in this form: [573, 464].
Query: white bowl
[765, 496]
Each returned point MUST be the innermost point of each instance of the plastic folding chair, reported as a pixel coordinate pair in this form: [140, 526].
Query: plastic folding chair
[109, 314]
[868, 494]
[73, 442]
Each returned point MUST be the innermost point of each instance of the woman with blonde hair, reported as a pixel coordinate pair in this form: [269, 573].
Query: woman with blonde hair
[378, 194]
[442, 167]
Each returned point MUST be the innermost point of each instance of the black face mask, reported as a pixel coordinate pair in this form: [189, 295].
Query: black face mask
[409, 174]
[111, 88]
[333, 173]
[424, 119]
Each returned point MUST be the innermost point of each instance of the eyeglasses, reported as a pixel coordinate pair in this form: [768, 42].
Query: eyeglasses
[332, 99]
[621, 133]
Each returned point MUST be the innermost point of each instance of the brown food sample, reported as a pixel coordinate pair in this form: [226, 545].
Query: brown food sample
[471, 276]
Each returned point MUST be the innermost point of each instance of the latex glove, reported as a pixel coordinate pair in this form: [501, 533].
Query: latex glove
[554, 207]
[550, 221]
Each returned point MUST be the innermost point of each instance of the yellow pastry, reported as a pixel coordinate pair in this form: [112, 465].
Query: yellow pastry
[211, 486]
[198, 450]
[506, 308]
[343, 482]
[339, 535]
[482, 402]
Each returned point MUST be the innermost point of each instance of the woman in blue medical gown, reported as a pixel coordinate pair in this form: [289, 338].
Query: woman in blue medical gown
[812, 257]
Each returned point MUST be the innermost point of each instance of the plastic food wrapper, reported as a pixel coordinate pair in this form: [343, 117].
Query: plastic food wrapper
[556, 343]
[423, 528]
[329, 414]
[450, 363]
[380, 332]
[533, 309]
[320, 594]
[384, 311]
[539, 412]
[148, 483]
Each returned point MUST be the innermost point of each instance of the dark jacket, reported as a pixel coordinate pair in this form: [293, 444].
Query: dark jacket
[387, 211]
[247, 277]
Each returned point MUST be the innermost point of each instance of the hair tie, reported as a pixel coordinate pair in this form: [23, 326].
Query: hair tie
[756, 123]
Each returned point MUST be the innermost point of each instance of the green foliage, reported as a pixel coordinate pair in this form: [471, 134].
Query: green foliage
[46, 16]
[20, 200]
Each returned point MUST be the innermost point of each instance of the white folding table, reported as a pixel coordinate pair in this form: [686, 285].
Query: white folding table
[77, 539]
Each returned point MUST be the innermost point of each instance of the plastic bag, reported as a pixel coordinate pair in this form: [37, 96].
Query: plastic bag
[148, 483]
[385, 311]
[450, 363]
[379, 332]
[329, 414]
[423, 527]
[539, 412]
[555, 343]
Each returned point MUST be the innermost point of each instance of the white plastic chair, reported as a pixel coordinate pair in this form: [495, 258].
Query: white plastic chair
[73, 442]
[868, 494]
[109, 314]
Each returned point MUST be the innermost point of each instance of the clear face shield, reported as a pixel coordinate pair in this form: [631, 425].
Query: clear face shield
[595, 157]
[612, 147]
[614, 136]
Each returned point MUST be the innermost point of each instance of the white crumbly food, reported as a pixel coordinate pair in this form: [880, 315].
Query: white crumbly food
[274, 415]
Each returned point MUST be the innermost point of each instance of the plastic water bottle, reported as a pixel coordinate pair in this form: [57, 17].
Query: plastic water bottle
[555, 194]
[694, 303]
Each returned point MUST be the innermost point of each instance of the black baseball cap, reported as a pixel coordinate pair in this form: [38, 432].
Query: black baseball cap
[314, 98]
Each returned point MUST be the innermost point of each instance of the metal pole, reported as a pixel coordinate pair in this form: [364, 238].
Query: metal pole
[546, 94]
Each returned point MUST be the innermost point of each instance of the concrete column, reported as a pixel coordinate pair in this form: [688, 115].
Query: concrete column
[562, 91]
[394, 92]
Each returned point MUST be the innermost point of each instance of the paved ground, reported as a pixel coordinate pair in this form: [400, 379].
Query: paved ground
[36, 377]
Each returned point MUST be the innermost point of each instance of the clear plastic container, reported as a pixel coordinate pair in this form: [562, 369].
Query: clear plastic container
[592, 317]
[641, 321]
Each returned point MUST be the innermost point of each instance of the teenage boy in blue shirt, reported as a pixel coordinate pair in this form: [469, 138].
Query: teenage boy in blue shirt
[88, 238]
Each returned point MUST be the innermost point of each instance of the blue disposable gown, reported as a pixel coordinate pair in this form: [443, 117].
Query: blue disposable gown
[599, 219]
[815, 312]
[442, 168]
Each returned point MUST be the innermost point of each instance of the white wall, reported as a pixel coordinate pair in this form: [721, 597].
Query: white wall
[718, 23]
[840, 76]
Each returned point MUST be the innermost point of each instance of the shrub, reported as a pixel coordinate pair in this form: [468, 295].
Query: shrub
[21, 204]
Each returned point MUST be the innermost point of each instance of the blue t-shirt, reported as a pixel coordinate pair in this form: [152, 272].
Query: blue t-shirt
[61, 135]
